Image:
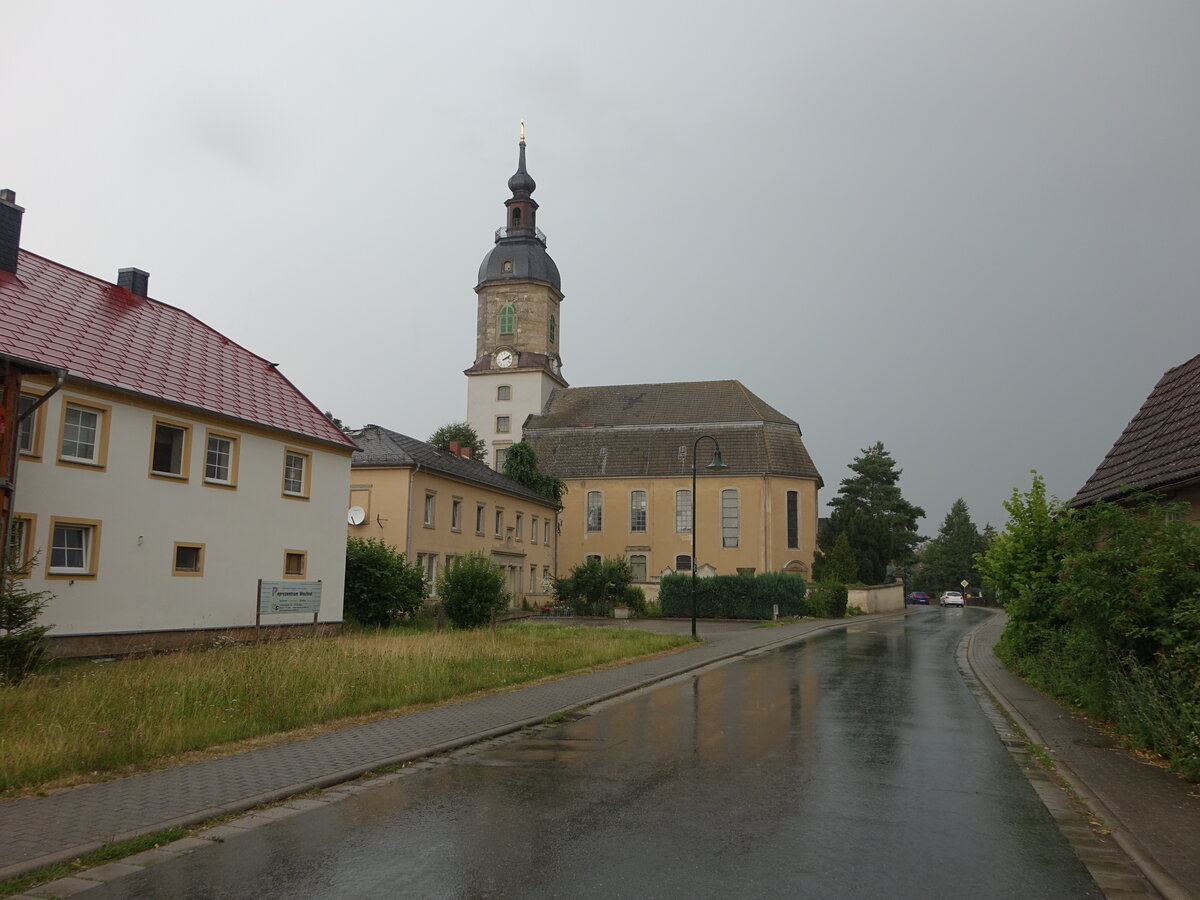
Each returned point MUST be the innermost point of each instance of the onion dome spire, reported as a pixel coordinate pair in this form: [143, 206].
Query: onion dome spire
[522, 183]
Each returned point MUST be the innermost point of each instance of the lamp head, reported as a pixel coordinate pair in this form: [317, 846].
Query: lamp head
[717, 462]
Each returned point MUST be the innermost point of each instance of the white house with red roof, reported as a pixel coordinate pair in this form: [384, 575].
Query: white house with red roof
[154, 469]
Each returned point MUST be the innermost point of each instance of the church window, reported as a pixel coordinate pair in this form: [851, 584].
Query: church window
[683, 512]
[729, 517]
[506, 266]
[595, 510]
[517, 217]
[508, 320]
[683, 563]
[793, 520]
[637, 566]
[502, 424]
[504, 392]
[637, 510]
[553, 328]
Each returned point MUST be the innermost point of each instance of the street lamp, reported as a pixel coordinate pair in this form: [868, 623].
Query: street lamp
[716, 465]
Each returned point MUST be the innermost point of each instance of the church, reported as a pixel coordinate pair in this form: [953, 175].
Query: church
[628, 452]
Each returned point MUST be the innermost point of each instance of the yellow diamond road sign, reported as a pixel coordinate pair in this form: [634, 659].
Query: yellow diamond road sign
[964, 582]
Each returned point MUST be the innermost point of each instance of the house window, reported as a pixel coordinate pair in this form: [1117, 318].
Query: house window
[428, 564]
[553, 328]
[637, 564]
[793, 520]
[456, 514]
[533, 529]
[27, 430]
[480, 512]
[729, 517]
[595, 510]
[499, 523]
[20, 546]
[593, 557]
[683, 563]
[546, 532]
[82, 434]
[502, 424]
[683, 512]
[532, 579]
[74, 548]
[637, 510]
[295, 563]
[220, 459]
[520, 529]
[189, 559]
[430, 509]
[500, 453]
[168, 455]
[504, 392]
[545, 579]
[295, 473]
[508, 320]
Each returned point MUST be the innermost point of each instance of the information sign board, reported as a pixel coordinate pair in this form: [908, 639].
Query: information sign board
[278, 597]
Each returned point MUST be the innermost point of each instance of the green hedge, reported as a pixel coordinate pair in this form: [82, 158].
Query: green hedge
[734, 596]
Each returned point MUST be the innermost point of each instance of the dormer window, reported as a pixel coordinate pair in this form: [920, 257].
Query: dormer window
[506, 267]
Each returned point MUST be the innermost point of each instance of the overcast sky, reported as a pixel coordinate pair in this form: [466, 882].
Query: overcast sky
[970, 230]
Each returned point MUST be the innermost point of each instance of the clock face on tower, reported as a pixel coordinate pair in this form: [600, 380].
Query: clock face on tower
[504, 359]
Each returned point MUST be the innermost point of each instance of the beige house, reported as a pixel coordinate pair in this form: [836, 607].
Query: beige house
[1159, 450]
[626, 454]
[437, 505]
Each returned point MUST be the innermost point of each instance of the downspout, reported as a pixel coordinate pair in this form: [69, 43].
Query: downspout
[408, 523]
[768, 524]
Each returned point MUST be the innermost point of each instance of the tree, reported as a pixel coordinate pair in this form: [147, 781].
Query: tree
[595, 585]
[521, 465]
[22, 643]
[381, 587]
[472, 590]
[841, 566]
[335, 420]
[464, 434]
[880, 525]
[950, 557]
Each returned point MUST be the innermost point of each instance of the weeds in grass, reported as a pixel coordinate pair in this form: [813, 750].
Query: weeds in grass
[91, 719]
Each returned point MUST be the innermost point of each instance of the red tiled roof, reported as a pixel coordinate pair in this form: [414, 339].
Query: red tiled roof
[1160, 447]
[104, 334]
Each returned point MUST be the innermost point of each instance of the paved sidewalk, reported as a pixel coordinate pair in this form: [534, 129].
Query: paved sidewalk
[1154, 815]
[39, 831]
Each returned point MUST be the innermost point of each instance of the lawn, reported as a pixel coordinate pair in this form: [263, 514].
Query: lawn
[91, 719]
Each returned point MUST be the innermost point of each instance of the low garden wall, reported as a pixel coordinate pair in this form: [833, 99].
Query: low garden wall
[877, 598]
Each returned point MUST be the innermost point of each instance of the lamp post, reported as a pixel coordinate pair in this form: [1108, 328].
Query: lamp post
[716, 465]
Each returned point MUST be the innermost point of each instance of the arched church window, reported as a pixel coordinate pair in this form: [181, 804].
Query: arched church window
[553, 328]
[517, 217]
[508, 320]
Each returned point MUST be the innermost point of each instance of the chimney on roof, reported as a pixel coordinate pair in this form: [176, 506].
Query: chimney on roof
[458, 449]
[10, 229]
[134, 280]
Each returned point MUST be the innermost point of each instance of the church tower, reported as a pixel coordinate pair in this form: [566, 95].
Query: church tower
[518, 329]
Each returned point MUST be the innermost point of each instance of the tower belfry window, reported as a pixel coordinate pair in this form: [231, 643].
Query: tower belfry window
[553, 328]
[508, 319]
[517, 218]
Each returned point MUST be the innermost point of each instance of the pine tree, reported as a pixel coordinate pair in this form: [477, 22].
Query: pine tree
[841, 566]
[949, 558]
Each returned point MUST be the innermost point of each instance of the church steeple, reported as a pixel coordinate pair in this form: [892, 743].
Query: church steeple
[522, 208]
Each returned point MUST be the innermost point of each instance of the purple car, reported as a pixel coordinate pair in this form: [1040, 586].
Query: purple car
[919, 598]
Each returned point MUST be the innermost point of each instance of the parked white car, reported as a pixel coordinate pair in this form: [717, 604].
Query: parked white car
[952, 598]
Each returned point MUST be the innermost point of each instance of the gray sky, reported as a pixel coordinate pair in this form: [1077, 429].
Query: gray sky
[970, 230]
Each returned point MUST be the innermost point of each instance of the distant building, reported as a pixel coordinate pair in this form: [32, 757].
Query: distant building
[153, 468]
[625, 451]
[438, 505]
[1159, 450]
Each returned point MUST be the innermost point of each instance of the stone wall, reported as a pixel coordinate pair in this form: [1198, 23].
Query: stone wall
[877, 598]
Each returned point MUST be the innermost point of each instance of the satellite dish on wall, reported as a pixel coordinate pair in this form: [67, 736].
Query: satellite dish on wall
[356, 516]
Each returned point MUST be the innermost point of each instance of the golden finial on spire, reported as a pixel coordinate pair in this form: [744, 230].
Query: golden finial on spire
[522, 129]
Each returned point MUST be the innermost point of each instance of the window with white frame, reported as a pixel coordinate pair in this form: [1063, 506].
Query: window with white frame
[532, 579]
[81, 433]
[500, 523]
[428, 564]
[502, 424]
[729, 517]
[27, 429]
[220, 459]
[546, 532]
[545, 579]
[456, 514]
[295, 473]
[168, 455]
[480, 514]
[637, 510]
[499, 454]
[72, 548]
[637, 566]
[20, 545]
[430, 509]
[683, 511]
[504, 392]
[533, 529]
[520, 526]
[595, 510]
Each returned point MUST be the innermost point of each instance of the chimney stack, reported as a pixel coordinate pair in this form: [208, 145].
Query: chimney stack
[134, 280]
[10, 229]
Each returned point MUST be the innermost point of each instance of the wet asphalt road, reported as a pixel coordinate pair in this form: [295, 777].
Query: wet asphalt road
[854, 764]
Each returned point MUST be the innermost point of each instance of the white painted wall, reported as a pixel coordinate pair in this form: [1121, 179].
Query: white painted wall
[530, 391]
[245, 531]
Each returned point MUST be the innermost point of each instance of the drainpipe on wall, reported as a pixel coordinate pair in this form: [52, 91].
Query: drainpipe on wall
[408, 523]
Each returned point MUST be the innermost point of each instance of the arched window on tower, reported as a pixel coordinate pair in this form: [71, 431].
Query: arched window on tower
[508, 320]
[553, 328]
[517, 217]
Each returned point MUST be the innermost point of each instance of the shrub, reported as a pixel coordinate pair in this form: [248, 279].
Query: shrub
[635, 598]
[595, 586]
[472, 591]
[827, 599]
[381, 587]
[734, 596]
[22, 643]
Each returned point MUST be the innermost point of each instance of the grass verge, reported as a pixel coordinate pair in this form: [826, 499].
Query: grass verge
[97, 718]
